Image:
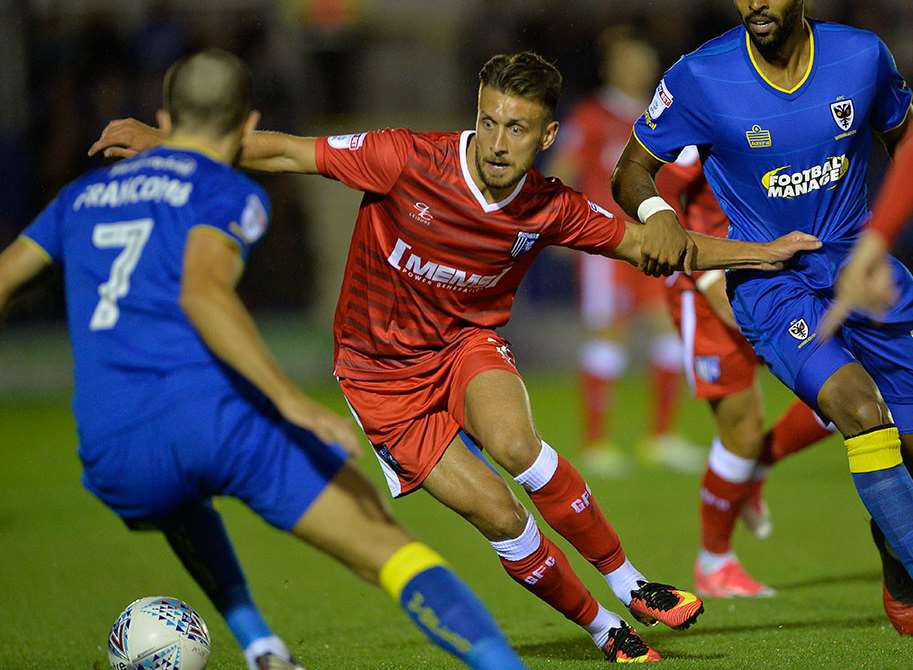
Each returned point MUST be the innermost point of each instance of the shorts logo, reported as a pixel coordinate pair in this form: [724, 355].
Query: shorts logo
[421, 214]
[384, 452]
[523, 243]
[799, 329]
[758, 137]
[350, 142]
[707, 368]
[843, 113]
[662, 100]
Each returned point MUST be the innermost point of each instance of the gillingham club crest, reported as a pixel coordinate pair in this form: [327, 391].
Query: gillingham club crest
[799, 329]
[843, 113]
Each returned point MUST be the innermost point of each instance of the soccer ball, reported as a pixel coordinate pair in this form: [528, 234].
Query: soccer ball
[158, 633]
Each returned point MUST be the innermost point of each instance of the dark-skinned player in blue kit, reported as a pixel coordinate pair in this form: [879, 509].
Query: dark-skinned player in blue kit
[782, 110]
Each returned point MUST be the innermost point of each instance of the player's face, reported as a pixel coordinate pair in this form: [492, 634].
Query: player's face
[510, 131]
[770, 22]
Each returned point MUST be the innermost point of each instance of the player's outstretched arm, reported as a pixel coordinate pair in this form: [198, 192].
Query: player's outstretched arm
[265, 151]
[666, 246]
[20, 262]
[212, 268]
[713, 253]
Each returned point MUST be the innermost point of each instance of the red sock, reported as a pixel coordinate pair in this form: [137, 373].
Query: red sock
[597, 393]
[664, 386]
[796, 429]
[547, 574]
[720, 503]
[566, 505]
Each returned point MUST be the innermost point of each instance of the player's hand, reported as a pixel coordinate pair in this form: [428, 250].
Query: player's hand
[124, 138]
[783, 248]
[666, 247]
[300, 410]
[866, 283]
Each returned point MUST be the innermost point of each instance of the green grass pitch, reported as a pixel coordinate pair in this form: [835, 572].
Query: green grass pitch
[68, 566]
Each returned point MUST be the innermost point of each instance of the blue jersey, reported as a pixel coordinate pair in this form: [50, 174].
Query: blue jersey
[120, 233]
[781, 160]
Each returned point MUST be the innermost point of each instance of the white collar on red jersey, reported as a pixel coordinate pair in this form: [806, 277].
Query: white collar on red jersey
[467, 177]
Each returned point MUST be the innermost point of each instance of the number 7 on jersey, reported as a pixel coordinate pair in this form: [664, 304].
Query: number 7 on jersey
[132, 236]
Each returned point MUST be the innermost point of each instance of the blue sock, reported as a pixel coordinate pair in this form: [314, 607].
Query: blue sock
[446, 610]
[885, 487]
[198, 537]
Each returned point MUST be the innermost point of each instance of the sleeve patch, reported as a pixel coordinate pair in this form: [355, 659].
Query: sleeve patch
[599, 210]
[350, 142]
[662, 100]
[253, 220]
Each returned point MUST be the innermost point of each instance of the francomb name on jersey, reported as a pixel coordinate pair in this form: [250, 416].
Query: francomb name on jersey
[444, 276]
[141, 188]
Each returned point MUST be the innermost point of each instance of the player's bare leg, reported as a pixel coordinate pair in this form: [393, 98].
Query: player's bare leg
[467, 485]
[351, 523]
[725, 488]
[498, 415]
[853, 402]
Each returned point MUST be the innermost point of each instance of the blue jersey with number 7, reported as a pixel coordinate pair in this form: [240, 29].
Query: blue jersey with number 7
[120, 233]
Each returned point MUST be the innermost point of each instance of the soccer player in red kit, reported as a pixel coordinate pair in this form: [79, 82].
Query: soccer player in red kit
[720, 368]
[618, 304]
[448, 225]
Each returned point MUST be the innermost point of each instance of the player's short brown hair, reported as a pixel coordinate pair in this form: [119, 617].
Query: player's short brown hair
[210, 92]
[525, 74]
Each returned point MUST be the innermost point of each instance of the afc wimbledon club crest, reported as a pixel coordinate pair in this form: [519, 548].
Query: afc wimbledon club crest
[799, 329]
[843, 113]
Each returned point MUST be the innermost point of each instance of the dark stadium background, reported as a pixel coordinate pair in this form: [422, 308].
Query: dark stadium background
[320, 66]
[67, 565]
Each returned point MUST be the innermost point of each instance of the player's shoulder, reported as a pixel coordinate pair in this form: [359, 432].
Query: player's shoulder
[552, 190]
[436, 141]
[713, 58]
[718, 47]
[844, 41]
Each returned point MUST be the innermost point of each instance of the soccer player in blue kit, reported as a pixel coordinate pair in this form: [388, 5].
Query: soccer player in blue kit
[782, 109]
[177, 398]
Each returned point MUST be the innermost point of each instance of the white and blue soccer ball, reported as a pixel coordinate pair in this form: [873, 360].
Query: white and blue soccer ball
[159, 633]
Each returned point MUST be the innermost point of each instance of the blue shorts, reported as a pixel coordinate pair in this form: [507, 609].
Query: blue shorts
[207, 446]
[779, 313]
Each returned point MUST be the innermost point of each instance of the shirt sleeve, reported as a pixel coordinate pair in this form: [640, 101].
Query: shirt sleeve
[47, 229]
[586, 226]
[894, 205]
[371, 161]
[892, 100]
[676, 116]
[243, 217]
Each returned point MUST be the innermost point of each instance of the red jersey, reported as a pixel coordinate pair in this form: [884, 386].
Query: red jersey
[430, 259]
[894, 205]
[682, 185]
[595, 133]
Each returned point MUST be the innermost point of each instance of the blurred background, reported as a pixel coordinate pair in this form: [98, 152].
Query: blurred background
[320, 66]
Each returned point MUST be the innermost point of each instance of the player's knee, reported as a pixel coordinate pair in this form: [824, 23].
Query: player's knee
[745, 437]
[514, 450]
[869, 411]
[501, 520]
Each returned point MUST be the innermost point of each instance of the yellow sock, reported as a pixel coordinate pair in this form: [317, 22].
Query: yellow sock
[877, 450]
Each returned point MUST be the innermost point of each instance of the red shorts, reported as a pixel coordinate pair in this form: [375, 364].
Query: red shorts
[718, 360]
[411, 421]
[612, 290]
